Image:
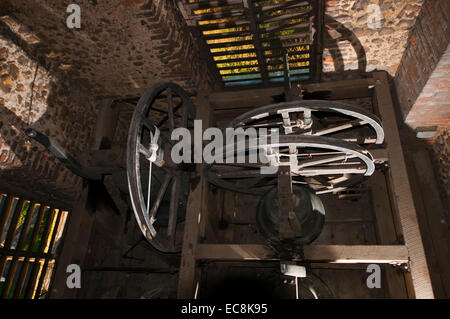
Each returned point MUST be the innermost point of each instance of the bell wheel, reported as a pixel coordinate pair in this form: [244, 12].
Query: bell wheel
[323, 164]
[158, 188]
[317, 118]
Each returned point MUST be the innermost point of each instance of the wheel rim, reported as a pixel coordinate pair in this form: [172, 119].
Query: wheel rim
[294, 117]
[246, 177]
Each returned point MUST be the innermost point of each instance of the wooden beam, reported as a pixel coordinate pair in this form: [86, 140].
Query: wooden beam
[386, 233]
[380, 154]
[432, 221]
[263, 96]
[318, 39]
[250, 12]
[229, 212]
[78, 230]
[206, 56]
[25, 254]
[341, 254]
[402, 190]
[106, 124]
[113, 157]
[344, 84]
[196, 216]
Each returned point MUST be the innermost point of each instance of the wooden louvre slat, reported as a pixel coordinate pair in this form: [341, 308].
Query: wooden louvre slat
[222, 25]
[28, 267]
[11, 231]
[7, 208]
[229, 44]
[285, 27]
[241, 64]
[50, 248]
[243, 73]
[235, 60]
[218, 15]
[231, 29]
[249, 9]
[15, 261]
[232, 52]
[211, 4]
[245, 77]
[36, 270]
[240, 67]
[290, 61]
[226, 35]
[295, 15]
[276, 7]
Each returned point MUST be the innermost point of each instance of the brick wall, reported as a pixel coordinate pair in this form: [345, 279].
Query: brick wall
[422, 79]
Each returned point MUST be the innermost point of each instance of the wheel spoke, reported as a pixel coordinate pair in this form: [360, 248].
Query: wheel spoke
[266, 124]
[313, 162]
[159, 197]
[173, 210]
[166, 118]
[149, 187]
[361, 140]
[144, 151]
[239, 174]
[250, 165]
[158, 110]
[166, 138]
[146, 122]
[170, 110]
[331, 171]
[339, 128]
[186, 118]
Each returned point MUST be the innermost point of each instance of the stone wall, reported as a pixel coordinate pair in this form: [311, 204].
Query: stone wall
[123, 46]
[121, 49]
[354, 43]
[34, 95]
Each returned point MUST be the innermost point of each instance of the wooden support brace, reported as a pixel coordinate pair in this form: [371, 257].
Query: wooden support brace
[341, 254]
[402, 195]
[196, 219]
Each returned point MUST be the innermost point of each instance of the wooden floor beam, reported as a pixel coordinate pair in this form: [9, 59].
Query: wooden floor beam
[402, 196]
[386, 233]
[336, 90]
[196, 219]
[341, 254]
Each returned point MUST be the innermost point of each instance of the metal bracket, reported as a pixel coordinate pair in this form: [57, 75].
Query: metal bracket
[404, 267]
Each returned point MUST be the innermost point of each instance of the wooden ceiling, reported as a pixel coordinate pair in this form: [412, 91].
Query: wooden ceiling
[244, 41]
